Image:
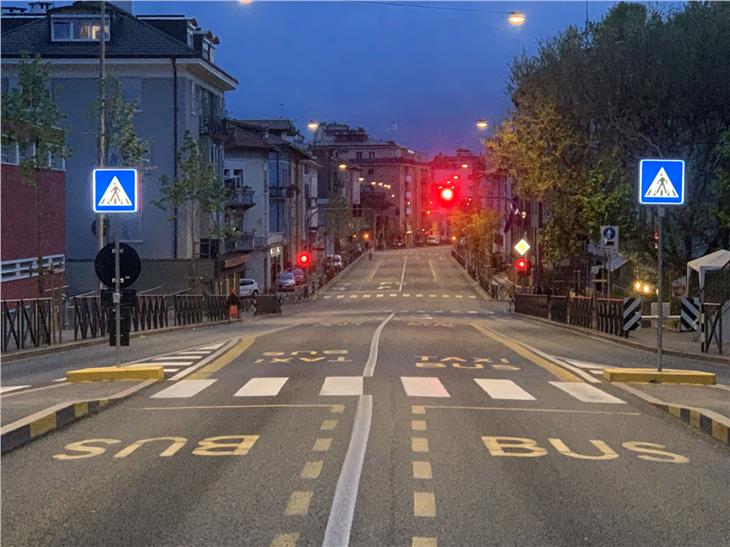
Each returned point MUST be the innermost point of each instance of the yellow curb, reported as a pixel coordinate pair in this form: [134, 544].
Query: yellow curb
[108, 374]
[667, 376]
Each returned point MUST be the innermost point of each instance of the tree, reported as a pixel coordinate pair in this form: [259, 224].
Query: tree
[197, 190]
[338, 221]
[30, 119]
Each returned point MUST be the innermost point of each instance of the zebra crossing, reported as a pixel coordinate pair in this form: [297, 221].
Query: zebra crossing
[180, 363]
[413, 386]
[385, 294]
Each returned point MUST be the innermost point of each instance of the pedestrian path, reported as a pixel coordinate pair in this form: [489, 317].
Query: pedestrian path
[492, 389]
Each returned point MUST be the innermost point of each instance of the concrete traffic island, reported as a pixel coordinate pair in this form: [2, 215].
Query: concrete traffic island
[111, 374]
[666, 376]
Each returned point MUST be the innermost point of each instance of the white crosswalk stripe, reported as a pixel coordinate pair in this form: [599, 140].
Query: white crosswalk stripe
[423, 386]
[342, 385]
[213, 347]
[183, 389]
[262, 387]
[168, 363]
[587, 393]
[503, 389]
[175, 357]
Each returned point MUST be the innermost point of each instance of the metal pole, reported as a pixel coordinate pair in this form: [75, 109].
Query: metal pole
[608, 275]
[102, 119]
[660, 287]
[117, 302]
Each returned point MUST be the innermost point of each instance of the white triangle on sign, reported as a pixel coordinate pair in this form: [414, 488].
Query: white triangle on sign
[661, 187]
[115, 196]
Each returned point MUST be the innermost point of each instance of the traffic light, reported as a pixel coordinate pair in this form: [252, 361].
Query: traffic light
[522, 266]
[304, 259]
[447, 195]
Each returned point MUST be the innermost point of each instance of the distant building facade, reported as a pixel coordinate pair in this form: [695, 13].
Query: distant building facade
[166, 64]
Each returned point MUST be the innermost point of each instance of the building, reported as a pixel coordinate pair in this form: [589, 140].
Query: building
[380, 164]
[32, 225]
[166, 63]
[268, 167]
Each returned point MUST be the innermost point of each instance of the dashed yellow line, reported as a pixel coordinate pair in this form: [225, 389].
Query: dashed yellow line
[424, 504]
[322, 445]
[298, 503]
[422, 470]
[418, 409]
[311, 470]
[419, 444]
[418, 425]
[328, 425]
[284, 540]
[223, 360]
[423, 542]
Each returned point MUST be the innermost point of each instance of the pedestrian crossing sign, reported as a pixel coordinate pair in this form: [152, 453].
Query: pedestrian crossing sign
[115, 190]
[661, 182]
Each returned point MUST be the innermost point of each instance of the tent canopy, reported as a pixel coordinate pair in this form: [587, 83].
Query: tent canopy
[712, 261]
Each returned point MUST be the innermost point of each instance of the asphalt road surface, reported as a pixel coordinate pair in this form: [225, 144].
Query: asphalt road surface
[399, 408]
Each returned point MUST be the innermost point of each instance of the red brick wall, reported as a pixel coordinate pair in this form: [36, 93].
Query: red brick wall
[18, 233]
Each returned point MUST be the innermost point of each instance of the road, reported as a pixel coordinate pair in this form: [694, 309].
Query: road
[399, 408]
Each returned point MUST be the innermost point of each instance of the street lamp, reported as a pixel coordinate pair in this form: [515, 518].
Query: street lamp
[313, 126]
[342, 166]
[482, 124]
[516, 18]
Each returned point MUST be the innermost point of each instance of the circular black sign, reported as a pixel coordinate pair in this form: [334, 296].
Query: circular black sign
[130, 266]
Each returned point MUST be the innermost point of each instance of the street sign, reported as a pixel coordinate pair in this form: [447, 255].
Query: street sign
[661, 182]
[130, 266]
[522, 247]
[115, 190]
[609, 239]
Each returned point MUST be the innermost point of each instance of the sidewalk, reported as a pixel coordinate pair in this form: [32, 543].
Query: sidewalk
[29, 414]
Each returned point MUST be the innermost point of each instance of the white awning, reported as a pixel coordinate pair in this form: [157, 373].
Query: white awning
[709, 262]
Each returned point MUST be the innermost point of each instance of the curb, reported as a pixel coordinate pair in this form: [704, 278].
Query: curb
[666, 376]
[17, 355]
[597, 335]
[110, 374]
[36, 425]
[702, 419]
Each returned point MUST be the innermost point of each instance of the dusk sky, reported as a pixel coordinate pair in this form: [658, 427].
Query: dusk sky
[418, 75]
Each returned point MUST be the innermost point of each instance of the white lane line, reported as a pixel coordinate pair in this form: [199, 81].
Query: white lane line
[585, 364]
[8, 389]
[458, 296]
[339, 523]
[472, 297]
[327, 296]
[183, 389]
[262, 387]
[561, 362]
[373, 356]
[340, 296]
[406, 295]
[419, 296]
[403, 274]
[423, 386]
[341, 385]
[472, 311]
[170, 370]
[166, 363]
[445, 296]
[433, 271]
[354, 296]
[173, 358]
[503, 389]
[393, 294]
[587, 393]
[432, 296]
[366, 295]
[59, 380]
[596, 372]
[378, 296]
[192, 353]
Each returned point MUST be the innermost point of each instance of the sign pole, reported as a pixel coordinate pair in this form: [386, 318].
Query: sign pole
[117, 300]
[608, 275]
[660, 287]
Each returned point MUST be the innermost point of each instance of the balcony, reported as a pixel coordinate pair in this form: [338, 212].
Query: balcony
[241, 198]
[246, 243]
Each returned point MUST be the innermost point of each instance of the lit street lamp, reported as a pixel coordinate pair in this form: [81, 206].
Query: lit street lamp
[313, 126]
[516, 18]
[482, 124]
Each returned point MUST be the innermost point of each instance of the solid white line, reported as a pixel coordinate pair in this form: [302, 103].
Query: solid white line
[191, 353]
[339, 523]
[403, 274]
[373, 356]
[183, 389]
[173, 358]
[503, 389]
[341, 385]
[7, 389]
[562, 362]
[423, 386]
[587, 393]
[166, 363]
[585, 364]
[261, 387]
[433, 271]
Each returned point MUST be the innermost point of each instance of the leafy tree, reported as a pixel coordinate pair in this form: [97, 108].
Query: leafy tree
[197, 190]
[30, 119]
[338, 221]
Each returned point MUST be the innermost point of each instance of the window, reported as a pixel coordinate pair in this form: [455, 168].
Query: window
[371, 155]
[358, 155]
[56, 161]
[10, 153]
[190, 36]
[206, 50]
[371, 171]
[80, 28]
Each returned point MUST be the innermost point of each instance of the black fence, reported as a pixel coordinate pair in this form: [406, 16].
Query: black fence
[30, 323]
[603, 314]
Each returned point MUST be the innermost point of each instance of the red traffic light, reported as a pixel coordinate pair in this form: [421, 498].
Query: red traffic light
[447, 195]
[522, 265]
[304, 259]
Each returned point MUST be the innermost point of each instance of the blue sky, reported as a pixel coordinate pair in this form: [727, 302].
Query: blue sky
[418, 76]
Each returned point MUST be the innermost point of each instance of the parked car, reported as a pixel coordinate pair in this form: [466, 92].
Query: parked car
[285, 281]
[433, 240]
[335, 262]
[397, 243]
[248, 287]
[299, 276]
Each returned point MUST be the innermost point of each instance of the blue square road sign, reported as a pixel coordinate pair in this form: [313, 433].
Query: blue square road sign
[115, 190]
[661, 182]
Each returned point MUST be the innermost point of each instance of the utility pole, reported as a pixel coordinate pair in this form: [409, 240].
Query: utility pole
[100, 235]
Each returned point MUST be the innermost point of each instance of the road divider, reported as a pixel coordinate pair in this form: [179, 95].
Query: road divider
[666, 376]
[110, 374]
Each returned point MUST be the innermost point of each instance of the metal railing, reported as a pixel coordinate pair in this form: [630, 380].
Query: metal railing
[714, 303]
[30, 323]
[609, 315]
[532, 304]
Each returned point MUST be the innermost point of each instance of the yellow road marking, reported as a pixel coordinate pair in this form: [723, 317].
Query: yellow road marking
[328, 425]
[322, 445]
[81, 409]
[284, 540]
[418, 425]
[424, 504]
[558, 410]
[298, 503]
[423, 542]
[43, 425]
[311, 470]
[422, 470]
[552, 368]
[419, 444]
[223, 360]
[418, 409]
[337, 409]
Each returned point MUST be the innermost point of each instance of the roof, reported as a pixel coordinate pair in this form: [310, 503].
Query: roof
[131, 37]
[712, 261]
[240, 138]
